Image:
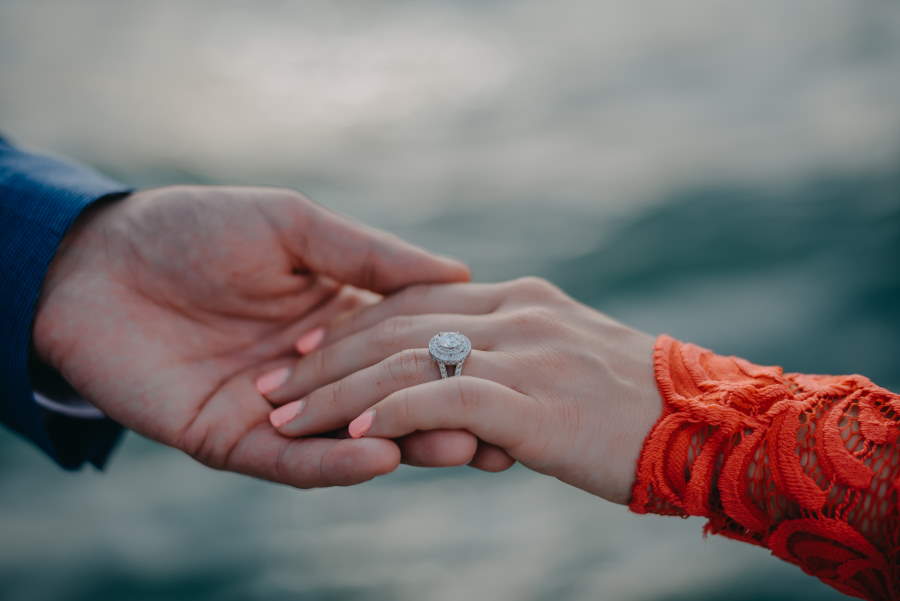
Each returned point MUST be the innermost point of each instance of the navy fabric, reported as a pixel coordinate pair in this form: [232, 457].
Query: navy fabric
[40, 198]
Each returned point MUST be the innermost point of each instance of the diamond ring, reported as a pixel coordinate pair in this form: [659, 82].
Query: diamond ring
[449, 348]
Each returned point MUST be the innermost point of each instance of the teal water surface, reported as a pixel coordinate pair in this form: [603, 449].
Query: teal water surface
[726, 172]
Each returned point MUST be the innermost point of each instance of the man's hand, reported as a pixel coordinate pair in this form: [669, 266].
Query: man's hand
[163, 308]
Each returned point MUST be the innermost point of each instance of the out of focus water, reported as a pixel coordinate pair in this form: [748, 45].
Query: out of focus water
[725, 171]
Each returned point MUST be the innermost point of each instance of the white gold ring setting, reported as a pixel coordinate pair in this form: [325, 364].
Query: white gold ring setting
[449, 349]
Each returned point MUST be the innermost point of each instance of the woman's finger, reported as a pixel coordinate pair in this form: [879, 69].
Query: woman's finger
[366, 348]
[491, 411]
[463, 299]
[335, 404]
[435, 448]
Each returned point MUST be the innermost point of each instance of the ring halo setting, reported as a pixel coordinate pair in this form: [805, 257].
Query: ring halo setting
[449, 348]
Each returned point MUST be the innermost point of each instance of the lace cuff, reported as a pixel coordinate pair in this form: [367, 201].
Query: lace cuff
[808, 466]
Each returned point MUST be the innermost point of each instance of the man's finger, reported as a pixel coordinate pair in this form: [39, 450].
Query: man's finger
[353, 253]
[491, 458]
[311, 462]
[438, 448]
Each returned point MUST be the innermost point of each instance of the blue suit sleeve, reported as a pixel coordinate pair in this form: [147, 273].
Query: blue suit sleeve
[40, 198]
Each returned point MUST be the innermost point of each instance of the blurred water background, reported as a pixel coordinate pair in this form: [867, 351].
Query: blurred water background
[728, 172]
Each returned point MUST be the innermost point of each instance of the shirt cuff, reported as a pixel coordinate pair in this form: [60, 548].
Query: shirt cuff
[72, 407]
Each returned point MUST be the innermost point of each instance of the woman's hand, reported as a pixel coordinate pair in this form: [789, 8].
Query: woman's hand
[552, 383]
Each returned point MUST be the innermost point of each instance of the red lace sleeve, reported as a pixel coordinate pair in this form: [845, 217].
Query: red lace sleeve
[808, 466]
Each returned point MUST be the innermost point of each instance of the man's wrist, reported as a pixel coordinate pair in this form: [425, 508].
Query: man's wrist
[66, 263]
[54, 393]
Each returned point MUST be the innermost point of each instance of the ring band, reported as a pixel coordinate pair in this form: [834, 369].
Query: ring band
[449, 349]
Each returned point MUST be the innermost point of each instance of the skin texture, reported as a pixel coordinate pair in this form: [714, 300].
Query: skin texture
[551, 383]
[165, 307]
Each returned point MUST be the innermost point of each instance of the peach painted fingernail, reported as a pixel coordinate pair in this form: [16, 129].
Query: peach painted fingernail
[286, 413]
[272, 380]
[310, 341]
[361, 424]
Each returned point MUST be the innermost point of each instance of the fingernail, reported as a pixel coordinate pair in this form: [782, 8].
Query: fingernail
[361, 424]
[310, 341]
[272, 380]
[286, 413]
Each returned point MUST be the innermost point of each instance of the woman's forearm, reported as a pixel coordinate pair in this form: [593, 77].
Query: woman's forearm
[807, 466]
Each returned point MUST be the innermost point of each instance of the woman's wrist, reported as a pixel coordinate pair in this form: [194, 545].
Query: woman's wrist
[629, 419]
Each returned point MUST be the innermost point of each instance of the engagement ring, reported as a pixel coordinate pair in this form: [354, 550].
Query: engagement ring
[449, 348]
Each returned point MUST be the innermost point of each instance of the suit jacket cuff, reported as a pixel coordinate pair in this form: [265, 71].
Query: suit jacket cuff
[40, 198]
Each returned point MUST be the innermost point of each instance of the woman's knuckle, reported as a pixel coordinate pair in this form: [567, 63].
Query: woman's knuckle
[413, 295]
[288, 201]
[321, 361]
[534, 287]
[406, 366]
[533, 319]
[390, 331]
[335, 392]
[552, 360]
[467, 395]
[397, 406]
[399, 323]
